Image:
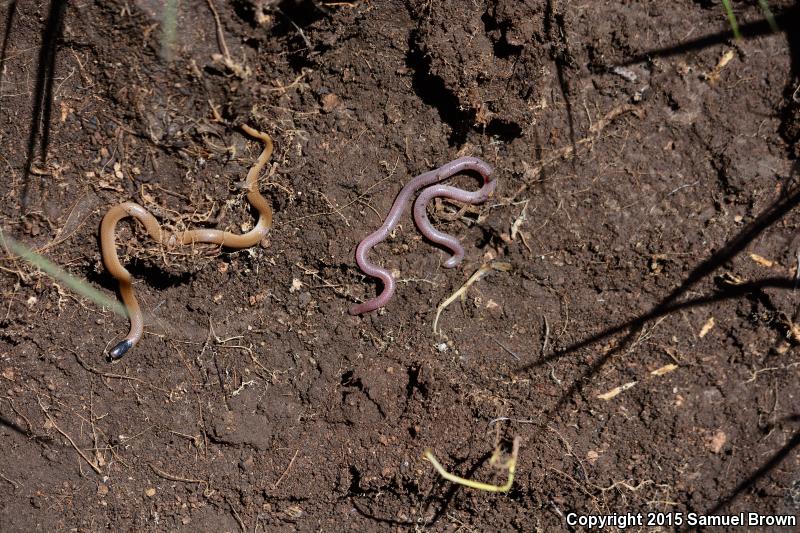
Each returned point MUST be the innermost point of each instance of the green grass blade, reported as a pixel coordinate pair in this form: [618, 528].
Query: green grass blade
[732, 19]
[169, 24]
[77, 285]
[768, 15]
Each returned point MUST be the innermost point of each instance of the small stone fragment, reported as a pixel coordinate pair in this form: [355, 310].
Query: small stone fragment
[329, 102]
[716, 441]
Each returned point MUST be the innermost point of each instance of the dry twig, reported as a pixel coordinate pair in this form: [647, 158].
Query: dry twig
[66, 436]
[481, 272]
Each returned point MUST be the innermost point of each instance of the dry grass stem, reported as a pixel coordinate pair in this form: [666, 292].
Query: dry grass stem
[481, 272]
[510, 464]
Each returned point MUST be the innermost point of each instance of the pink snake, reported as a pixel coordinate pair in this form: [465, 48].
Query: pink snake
[421, 217]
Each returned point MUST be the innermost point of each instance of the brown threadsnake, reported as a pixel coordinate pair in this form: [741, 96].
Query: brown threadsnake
[211, 236]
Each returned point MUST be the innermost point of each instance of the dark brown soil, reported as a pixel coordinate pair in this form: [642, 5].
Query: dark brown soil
[645, 205]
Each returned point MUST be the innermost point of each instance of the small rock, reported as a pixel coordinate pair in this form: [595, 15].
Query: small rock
[102, 489]
[494, 308]
[296, 285]
[258, 298]
[716, 441]
[246, 464]
[305, 299]
[150, 492]
[329, 102]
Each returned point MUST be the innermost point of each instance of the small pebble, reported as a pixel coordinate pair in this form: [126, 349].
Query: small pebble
[329, 102]
[246, 464]
[305, 299]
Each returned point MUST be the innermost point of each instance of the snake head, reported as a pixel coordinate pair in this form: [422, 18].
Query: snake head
[120, 349]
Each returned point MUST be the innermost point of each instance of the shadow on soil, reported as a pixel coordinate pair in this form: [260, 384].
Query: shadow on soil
[43, 93]
[790, 20]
